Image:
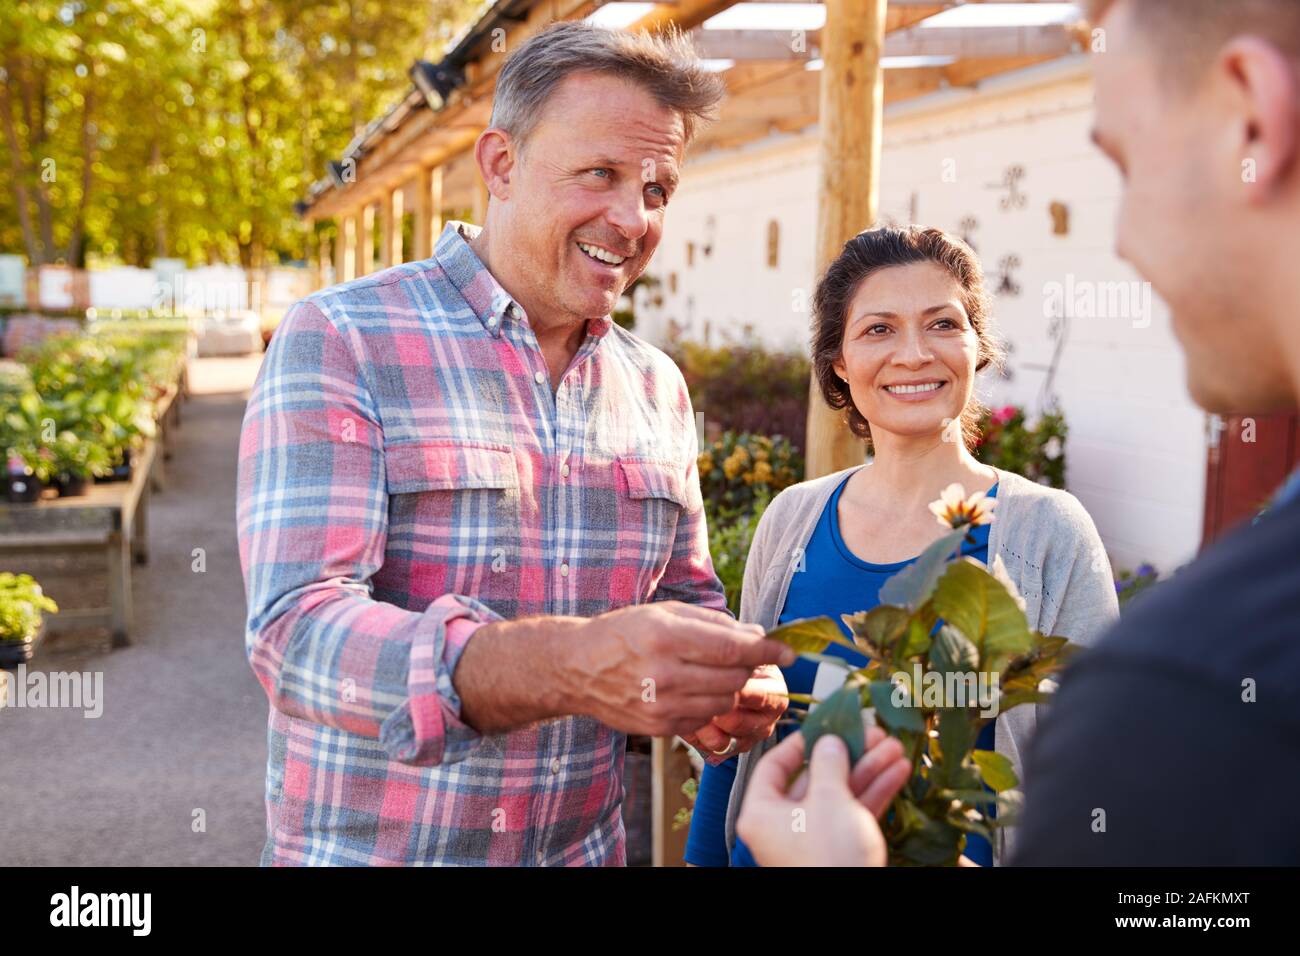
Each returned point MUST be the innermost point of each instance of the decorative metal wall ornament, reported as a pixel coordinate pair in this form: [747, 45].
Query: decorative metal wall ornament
[1007, 284]
[1014, 199]
[1058, 332]
[1060, 218]
[966, 231]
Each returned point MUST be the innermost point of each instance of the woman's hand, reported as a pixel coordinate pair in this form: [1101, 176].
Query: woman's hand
[828, 817]
[757, 708]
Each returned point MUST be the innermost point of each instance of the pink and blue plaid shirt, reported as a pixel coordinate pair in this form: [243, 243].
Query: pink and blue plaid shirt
[405, 474]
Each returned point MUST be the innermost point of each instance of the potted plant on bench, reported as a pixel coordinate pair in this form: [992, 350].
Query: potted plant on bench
[23, 606]
[74, 460]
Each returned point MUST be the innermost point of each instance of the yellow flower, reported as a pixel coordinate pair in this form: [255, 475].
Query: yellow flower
[704, 463]
[733, 466]
[955, 510]
[763, 473]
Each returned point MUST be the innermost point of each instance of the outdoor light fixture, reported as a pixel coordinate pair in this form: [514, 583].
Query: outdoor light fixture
[336, 173]
[435, 81]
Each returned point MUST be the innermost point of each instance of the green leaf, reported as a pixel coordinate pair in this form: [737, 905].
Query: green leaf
[956, 735]
[917, 640]
[995, 769]
[875, 631]
[839, 714]
[827, 659]
[1008, 701]
[976, 603]
[892, 715]
[912, 586]
[811, 635]
[952, 653]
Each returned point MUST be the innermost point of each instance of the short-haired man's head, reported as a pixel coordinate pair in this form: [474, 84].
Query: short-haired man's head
[664, 64]
[863, 256]
[1186, 34]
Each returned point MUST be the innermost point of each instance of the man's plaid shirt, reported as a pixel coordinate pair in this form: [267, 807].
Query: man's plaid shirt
[406, 474]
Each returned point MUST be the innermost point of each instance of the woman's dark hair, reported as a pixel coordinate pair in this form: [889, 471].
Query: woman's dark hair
[863, 256]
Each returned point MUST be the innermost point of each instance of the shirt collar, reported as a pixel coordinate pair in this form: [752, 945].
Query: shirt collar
[491, 303]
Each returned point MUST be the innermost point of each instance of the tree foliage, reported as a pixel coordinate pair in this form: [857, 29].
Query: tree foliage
[139, 128]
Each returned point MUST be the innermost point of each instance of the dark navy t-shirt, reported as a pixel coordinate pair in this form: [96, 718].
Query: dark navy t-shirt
[833, 581]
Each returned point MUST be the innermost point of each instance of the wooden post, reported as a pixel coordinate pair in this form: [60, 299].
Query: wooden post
[345, 250]
[322, 263]
[364, 233]
[669, 769]
[851, 108]
[428, 211]
[390, 220]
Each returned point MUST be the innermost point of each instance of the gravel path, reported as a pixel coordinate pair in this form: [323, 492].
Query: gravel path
[184, 722]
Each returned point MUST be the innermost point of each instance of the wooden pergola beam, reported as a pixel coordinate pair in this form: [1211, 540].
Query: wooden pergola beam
[981, 42]
[957, 42]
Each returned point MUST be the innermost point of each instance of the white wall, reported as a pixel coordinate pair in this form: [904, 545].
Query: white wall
[1136, 452]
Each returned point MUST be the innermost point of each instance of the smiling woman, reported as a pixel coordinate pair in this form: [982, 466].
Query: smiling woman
[903, 318]
[902, 328]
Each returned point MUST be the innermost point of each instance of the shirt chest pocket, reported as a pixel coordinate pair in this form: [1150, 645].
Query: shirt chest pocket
[652, 498]
[454, 514]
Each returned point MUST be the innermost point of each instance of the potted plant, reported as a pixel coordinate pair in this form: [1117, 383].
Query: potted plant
[19, 432]
[22, 486]
[74, 460]
[950, 648]
[23, 606]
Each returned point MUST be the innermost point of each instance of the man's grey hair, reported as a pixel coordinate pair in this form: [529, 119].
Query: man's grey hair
[664, 64]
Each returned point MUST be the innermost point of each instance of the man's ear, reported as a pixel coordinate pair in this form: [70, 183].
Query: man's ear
[496, 154]
[1265, 83]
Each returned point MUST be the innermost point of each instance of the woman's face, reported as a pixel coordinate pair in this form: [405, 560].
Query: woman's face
[909, 351]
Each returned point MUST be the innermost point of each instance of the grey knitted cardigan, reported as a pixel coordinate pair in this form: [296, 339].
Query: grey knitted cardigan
[1046, 540]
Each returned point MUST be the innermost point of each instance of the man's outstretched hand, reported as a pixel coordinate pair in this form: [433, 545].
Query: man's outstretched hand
[828, 816]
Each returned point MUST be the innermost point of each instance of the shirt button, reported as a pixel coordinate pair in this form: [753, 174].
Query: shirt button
[564, 470]
[539, 378]
[555, 765]
[492, 320]
[564, 570]
[541, 856]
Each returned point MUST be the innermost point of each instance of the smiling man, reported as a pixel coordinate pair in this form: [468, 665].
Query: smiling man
[470, 520]
[1175, 741]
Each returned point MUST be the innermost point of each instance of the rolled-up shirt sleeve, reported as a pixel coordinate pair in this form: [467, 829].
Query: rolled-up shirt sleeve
[312, 522]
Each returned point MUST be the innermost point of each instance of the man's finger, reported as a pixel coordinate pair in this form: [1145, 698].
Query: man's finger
[828, 770]
[713, 615]
[694, 679]
[873, 762]
[729, 648]
[777, 765]
[882, 790]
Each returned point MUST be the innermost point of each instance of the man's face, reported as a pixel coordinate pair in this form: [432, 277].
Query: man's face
[591, 182]
[1183, 220]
